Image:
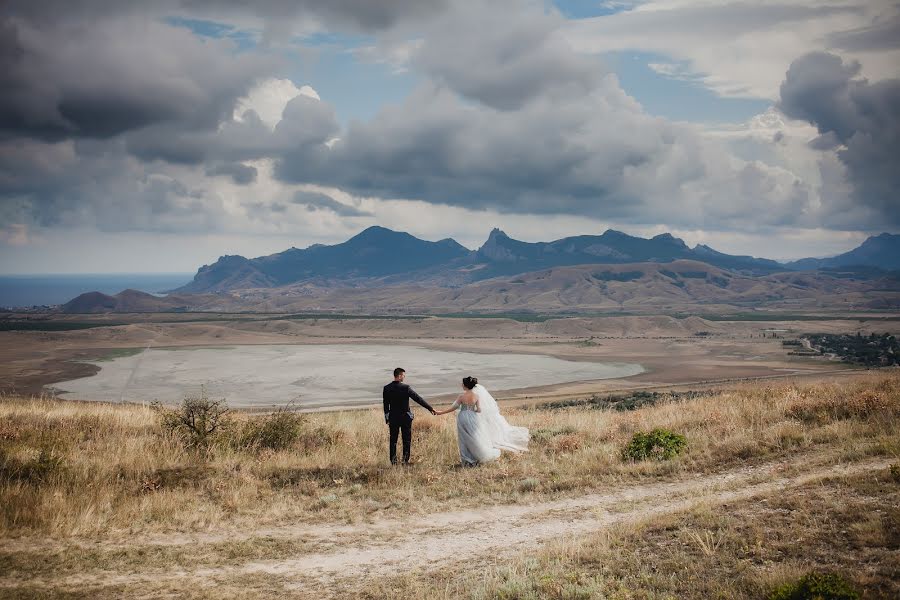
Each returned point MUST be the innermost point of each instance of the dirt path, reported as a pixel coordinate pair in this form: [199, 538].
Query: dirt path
[348, 552]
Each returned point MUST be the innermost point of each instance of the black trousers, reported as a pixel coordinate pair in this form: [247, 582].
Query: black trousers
[404, 425]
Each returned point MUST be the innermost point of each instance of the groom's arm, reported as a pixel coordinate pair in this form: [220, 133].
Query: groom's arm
[387, 405]
[420, 400]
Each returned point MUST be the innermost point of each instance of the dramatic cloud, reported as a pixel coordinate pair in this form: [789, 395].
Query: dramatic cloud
[64, 80]
[739, 48]
[200, 116]
[550, 133]
[371, 15]
[514, 53]
[863, 117]
[277, 18]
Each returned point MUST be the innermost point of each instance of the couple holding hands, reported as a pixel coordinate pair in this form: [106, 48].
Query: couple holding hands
[482, 432]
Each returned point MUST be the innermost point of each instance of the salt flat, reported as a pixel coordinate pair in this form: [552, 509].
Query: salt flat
[317, 376]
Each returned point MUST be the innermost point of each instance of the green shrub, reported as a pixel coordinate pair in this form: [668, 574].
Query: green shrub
[277, 431]
[545, 435]
[659, 444]
[816, 586]
[196, 420]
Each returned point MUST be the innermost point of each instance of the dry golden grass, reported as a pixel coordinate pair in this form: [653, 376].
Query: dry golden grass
[846, 525]
[90, 469]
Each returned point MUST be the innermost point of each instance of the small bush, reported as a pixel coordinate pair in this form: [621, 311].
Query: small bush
[277, 431]
[895, 472]
[197, 420]
[35, 470]
[529, 485]
[567, 443]
[659, 444]
[545, 435]
[816, 586]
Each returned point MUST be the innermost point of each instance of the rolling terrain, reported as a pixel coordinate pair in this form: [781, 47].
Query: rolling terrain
[640, 287]
[381, 271]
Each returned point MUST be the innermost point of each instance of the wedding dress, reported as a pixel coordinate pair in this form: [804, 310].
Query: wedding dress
[474, 445]
[502, 435]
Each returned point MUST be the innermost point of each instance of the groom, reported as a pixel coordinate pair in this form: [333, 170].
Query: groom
[397, 413]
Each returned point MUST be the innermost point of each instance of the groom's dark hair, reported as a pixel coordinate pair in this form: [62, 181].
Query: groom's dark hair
[398, 370]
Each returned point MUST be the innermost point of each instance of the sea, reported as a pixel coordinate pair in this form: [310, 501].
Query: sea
[23, 291]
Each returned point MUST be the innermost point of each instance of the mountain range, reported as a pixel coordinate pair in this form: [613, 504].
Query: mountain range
[381, 271]
[380, 256]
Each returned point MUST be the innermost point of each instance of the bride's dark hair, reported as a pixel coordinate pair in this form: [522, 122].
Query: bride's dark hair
[470, 382]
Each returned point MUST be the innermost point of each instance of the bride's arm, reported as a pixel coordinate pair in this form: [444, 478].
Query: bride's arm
[453, 407]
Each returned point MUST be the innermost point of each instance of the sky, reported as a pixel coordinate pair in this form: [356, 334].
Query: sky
[158, 136]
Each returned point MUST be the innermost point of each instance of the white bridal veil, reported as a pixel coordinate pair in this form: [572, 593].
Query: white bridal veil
[502, 435]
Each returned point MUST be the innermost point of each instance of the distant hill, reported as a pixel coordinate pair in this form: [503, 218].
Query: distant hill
[646, 287]
[380, 256]
[681, 285]
[880, 251]
[129, 301]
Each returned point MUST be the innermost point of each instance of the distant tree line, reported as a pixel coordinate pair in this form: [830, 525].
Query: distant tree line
[873, 350]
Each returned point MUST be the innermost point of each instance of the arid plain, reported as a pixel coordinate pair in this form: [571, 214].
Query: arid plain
[672, 350]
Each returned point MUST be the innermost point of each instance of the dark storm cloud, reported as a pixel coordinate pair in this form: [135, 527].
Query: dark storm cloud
[240, 173]
[279, 17]
[368, 15]
[315, 200]
[70, 79]
[96, 183]
[863, 117]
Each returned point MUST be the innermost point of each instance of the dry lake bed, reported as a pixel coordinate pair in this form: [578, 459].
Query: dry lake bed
[318, 376]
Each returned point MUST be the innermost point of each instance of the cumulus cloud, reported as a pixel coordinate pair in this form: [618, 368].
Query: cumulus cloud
[269, 98]
[551, 134]
[519, 53]
[863, 117]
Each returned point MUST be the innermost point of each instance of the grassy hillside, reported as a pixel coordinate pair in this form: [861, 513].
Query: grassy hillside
[79, 468]
[90, 471]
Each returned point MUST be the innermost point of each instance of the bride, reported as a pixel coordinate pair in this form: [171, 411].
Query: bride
[503, 436]
[481, 431]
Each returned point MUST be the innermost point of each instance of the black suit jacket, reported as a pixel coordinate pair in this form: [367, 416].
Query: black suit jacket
[396, 398]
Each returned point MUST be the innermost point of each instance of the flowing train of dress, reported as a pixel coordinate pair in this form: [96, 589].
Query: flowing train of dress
[474, 444]
[503, 436]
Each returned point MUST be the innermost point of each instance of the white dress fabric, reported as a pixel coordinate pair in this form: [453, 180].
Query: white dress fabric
[474, 445]
[502, 435]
